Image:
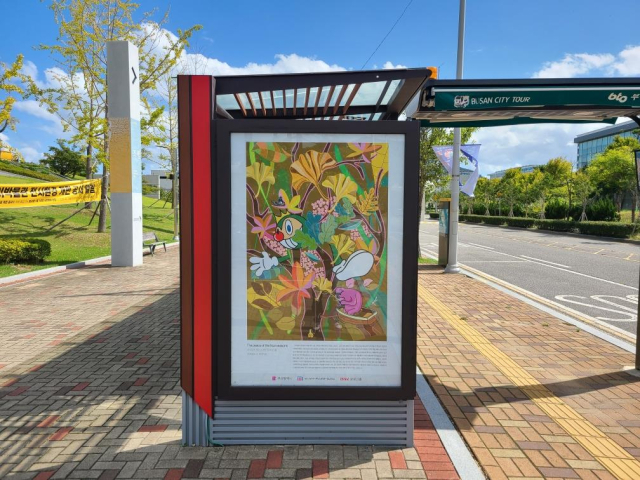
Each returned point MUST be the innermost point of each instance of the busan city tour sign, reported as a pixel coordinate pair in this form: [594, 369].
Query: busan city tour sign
[299, 278]
[483, 98]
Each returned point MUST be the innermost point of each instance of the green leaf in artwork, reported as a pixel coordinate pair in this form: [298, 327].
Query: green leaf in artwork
[328, 229]
[352, 225]
[304, 240]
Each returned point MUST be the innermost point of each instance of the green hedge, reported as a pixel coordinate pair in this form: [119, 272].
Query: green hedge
[556, 225]
[521, 222]
[434, 215]
[494, 220]
[603, 229]
[19, 169]
[472, 218]
[24, 250]
[607, 229]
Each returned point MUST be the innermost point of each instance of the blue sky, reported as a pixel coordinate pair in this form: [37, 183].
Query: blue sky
[504, 39]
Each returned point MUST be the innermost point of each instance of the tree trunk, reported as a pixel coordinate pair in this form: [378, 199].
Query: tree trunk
[102, 219]
[89, 170]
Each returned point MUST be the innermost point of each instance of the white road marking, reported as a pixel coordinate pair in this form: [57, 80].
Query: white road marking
[601, 298]
[481, 246]
[495, 261]
[566, 270]
[631, 316]
[545, 261]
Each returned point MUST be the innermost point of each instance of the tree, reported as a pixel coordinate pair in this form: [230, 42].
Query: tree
[619, 142]
[80, 94]
[582, 188]
[486, 189]
[558, 172]
[534, 188]
[12, 85]
[64, 160]
[510, 187]
[613, 173]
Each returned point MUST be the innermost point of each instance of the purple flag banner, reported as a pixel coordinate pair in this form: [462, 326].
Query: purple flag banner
[471, 152]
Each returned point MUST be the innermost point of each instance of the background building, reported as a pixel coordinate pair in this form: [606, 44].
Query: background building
[524, 169]
[592, 143]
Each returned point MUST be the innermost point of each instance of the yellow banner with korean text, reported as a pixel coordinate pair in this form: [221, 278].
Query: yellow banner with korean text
[49, 193]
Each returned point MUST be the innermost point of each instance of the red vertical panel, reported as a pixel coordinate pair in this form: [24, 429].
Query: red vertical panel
[201, 148]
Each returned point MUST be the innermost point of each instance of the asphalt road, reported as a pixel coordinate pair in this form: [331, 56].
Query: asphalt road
[596, 277]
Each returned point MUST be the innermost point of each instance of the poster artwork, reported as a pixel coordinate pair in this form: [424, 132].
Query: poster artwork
[316, 241]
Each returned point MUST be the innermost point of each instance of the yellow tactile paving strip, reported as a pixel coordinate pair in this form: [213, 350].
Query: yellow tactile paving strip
[611, 455]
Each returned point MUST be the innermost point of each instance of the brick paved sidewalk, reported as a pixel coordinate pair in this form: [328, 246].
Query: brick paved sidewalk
[89, 389]
[533, 396]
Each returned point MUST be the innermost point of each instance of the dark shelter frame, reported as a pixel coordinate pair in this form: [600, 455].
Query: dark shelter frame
[406, 391]
[271, 103]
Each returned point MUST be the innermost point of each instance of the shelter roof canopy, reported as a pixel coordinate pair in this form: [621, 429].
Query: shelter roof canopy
[362, 95]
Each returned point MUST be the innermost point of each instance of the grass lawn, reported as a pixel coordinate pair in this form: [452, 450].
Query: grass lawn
[427, 261]
[74, 240]
[5, 179]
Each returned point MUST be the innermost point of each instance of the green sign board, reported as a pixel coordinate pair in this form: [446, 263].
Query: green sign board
[533, 98]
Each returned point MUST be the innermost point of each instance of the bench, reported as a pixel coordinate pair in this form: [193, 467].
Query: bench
[150, 239]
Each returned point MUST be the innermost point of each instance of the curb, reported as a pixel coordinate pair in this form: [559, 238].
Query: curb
[45, 272]
[458, 451]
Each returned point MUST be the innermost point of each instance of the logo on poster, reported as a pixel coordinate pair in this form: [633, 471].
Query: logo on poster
[300, 379]
[461, 101]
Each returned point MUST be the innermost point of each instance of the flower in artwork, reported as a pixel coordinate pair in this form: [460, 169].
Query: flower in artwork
[263, 226]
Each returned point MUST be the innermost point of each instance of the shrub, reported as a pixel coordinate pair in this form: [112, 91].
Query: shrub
[521, 222]
[603, 210]
[494, 220]
[471, 218]
[479, 209]
[27, 250]
[556, 209]
[607, 229]
[28, 170]
[556, 225]
[434, 215]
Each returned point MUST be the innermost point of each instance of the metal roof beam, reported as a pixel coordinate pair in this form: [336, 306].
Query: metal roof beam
[253, 83]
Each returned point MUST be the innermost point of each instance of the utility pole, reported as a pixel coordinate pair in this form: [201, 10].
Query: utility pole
[452, 266]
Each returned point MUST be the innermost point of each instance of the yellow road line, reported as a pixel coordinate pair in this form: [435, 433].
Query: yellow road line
[611, 455]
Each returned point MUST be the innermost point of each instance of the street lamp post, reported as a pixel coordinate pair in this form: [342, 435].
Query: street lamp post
[452, 266]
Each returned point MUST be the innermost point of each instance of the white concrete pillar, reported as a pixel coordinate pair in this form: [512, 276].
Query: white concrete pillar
[125, 151]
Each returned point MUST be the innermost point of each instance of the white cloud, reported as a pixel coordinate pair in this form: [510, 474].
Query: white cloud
[574, 64]
[292, 63]
[54, 77]
[517, 145]
[53, 124]
[389, 65]
[628, 62]
[505, 147]
[30, 154]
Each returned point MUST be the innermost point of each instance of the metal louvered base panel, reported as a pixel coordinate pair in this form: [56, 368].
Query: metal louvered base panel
[313, 422]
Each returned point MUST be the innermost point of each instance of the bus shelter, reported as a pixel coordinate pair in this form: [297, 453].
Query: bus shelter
[298, 271]
[299, 240]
